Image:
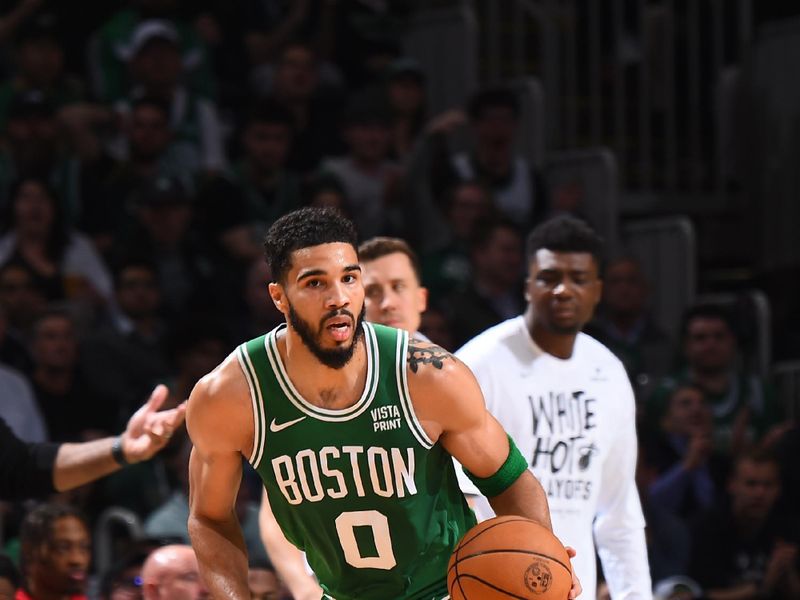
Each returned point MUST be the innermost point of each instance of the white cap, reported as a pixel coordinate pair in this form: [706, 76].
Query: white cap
[147, 31]
[665, 588]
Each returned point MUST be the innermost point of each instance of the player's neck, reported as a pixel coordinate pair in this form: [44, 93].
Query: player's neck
[320, 384]
[554, 343]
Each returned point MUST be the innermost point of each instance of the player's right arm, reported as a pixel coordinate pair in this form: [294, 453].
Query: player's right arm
[220, 423]
[286, 558]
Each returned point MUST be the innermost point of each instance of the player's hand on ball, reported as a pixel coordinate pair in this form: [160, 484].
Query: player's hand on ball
[576, 588]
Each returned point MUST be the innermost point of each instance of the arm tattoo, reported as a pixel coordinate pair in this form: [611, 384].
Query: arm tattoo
[422, 353]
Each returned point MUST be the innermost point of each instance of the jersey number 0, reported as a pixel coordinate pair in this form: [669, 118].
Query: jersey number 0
[379, 526]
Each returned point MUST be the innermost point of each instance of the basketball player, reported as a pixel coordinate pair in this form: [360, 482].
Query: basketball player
[362, 423]
[566, 398]
[393, 296]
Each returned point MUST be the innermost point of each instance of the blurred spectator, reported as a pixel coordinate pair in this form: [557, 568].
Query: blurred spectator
[56, 552]
[39, 61]
[125, 359]
[263, 582]
[495, 292]
[368, 175]
[688, 472]
[16, 16]
[678, 587]
[124, 580]
[624, 324]
[71, 410]
[108, 212]
[405, 89]
[62, 260]
[786, 448]
[33, 145]
[18, 406]
[156, 71]
[435, 326]
[9, 578]
[368, 37]
[163, 234]
[170, 519]
[171, 573]
[326, 191]
[515, 185]
[197, 345]
[743, 406]
[270, 188]
[668, 538]
[260, 314]
[273, 24]
[743, 548]
[393, 294]
[316, 116]
[119, 38]
[447, 267]
[22, 301]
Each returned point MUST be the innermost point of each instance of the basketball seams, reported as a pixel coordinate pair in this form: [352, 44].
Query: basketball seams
[512, 551]
[523, 541]
[465, 541]
[458, 579]
[489, 585]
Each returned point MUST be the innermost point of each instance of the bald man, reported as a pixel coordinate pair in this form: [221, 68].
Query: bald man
[171, 573]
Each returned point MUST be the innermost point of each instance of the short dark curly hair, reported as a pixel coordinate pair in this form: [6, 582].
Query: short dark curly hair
[565, 234]
[37, 527]
[303, 228]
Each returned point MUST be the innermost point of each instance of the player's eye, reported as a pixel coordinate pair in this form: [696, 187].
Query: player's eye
[399, 287]
[547, 278]
[348, 279]
[314, 283]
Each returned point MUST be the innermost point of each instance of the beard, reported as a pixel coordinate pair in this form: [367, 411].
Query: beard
[334, 358]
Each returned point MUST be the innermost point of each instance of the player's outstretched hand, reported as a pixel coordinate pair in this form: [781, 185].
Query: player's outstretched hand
[149, 430]
[576, 589]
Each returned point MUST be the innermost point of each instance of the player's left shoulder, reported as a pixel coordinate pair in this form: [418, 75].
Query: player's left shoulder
[428, 361]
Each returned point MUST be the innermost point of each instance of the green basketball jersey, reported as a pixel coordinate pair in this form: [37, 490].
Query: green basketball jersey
[363, 491]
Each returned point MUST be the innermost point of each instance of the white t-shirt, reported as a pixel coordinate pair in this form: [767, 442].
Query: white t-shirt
[574, 420]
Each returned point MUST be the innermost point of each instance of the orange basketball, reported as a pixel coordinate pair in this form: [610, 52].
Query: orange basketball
[509, 557]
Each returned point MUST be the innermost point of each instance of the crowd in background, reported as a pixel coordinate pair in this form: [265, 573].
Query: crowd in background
[147, 146]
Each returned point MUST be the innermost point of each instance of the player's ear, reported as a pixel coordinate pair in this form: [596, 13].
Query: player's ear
[276, 292]
[527, 289]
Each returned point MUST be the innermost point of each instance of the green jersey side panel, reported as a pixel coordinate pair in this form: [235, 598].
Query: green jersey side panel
[363, 491]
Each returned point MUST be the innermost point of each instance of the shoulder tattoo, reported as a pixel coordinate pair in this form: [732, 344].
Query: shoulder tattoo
[424, 353]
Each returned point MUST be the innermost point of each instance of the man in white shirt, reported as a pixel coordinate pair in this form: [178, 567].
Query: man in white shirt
[394, 297]
[568, 404]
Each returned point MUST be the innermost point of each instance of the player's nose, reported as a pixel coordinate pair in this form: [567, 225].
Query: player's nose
[338, 296]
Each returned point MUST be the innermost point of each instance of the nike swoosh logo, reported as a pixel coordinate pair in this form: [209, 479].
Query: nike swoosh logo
[275, 427]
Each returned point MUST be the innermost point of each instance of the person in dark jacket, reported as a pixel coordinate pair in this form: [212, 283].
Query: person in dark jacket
[39, 469]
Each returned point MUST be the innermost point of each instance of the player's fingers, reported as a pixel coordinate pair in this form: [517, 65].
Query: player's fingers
[157, 397]
[178, 414]
[576, 588]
